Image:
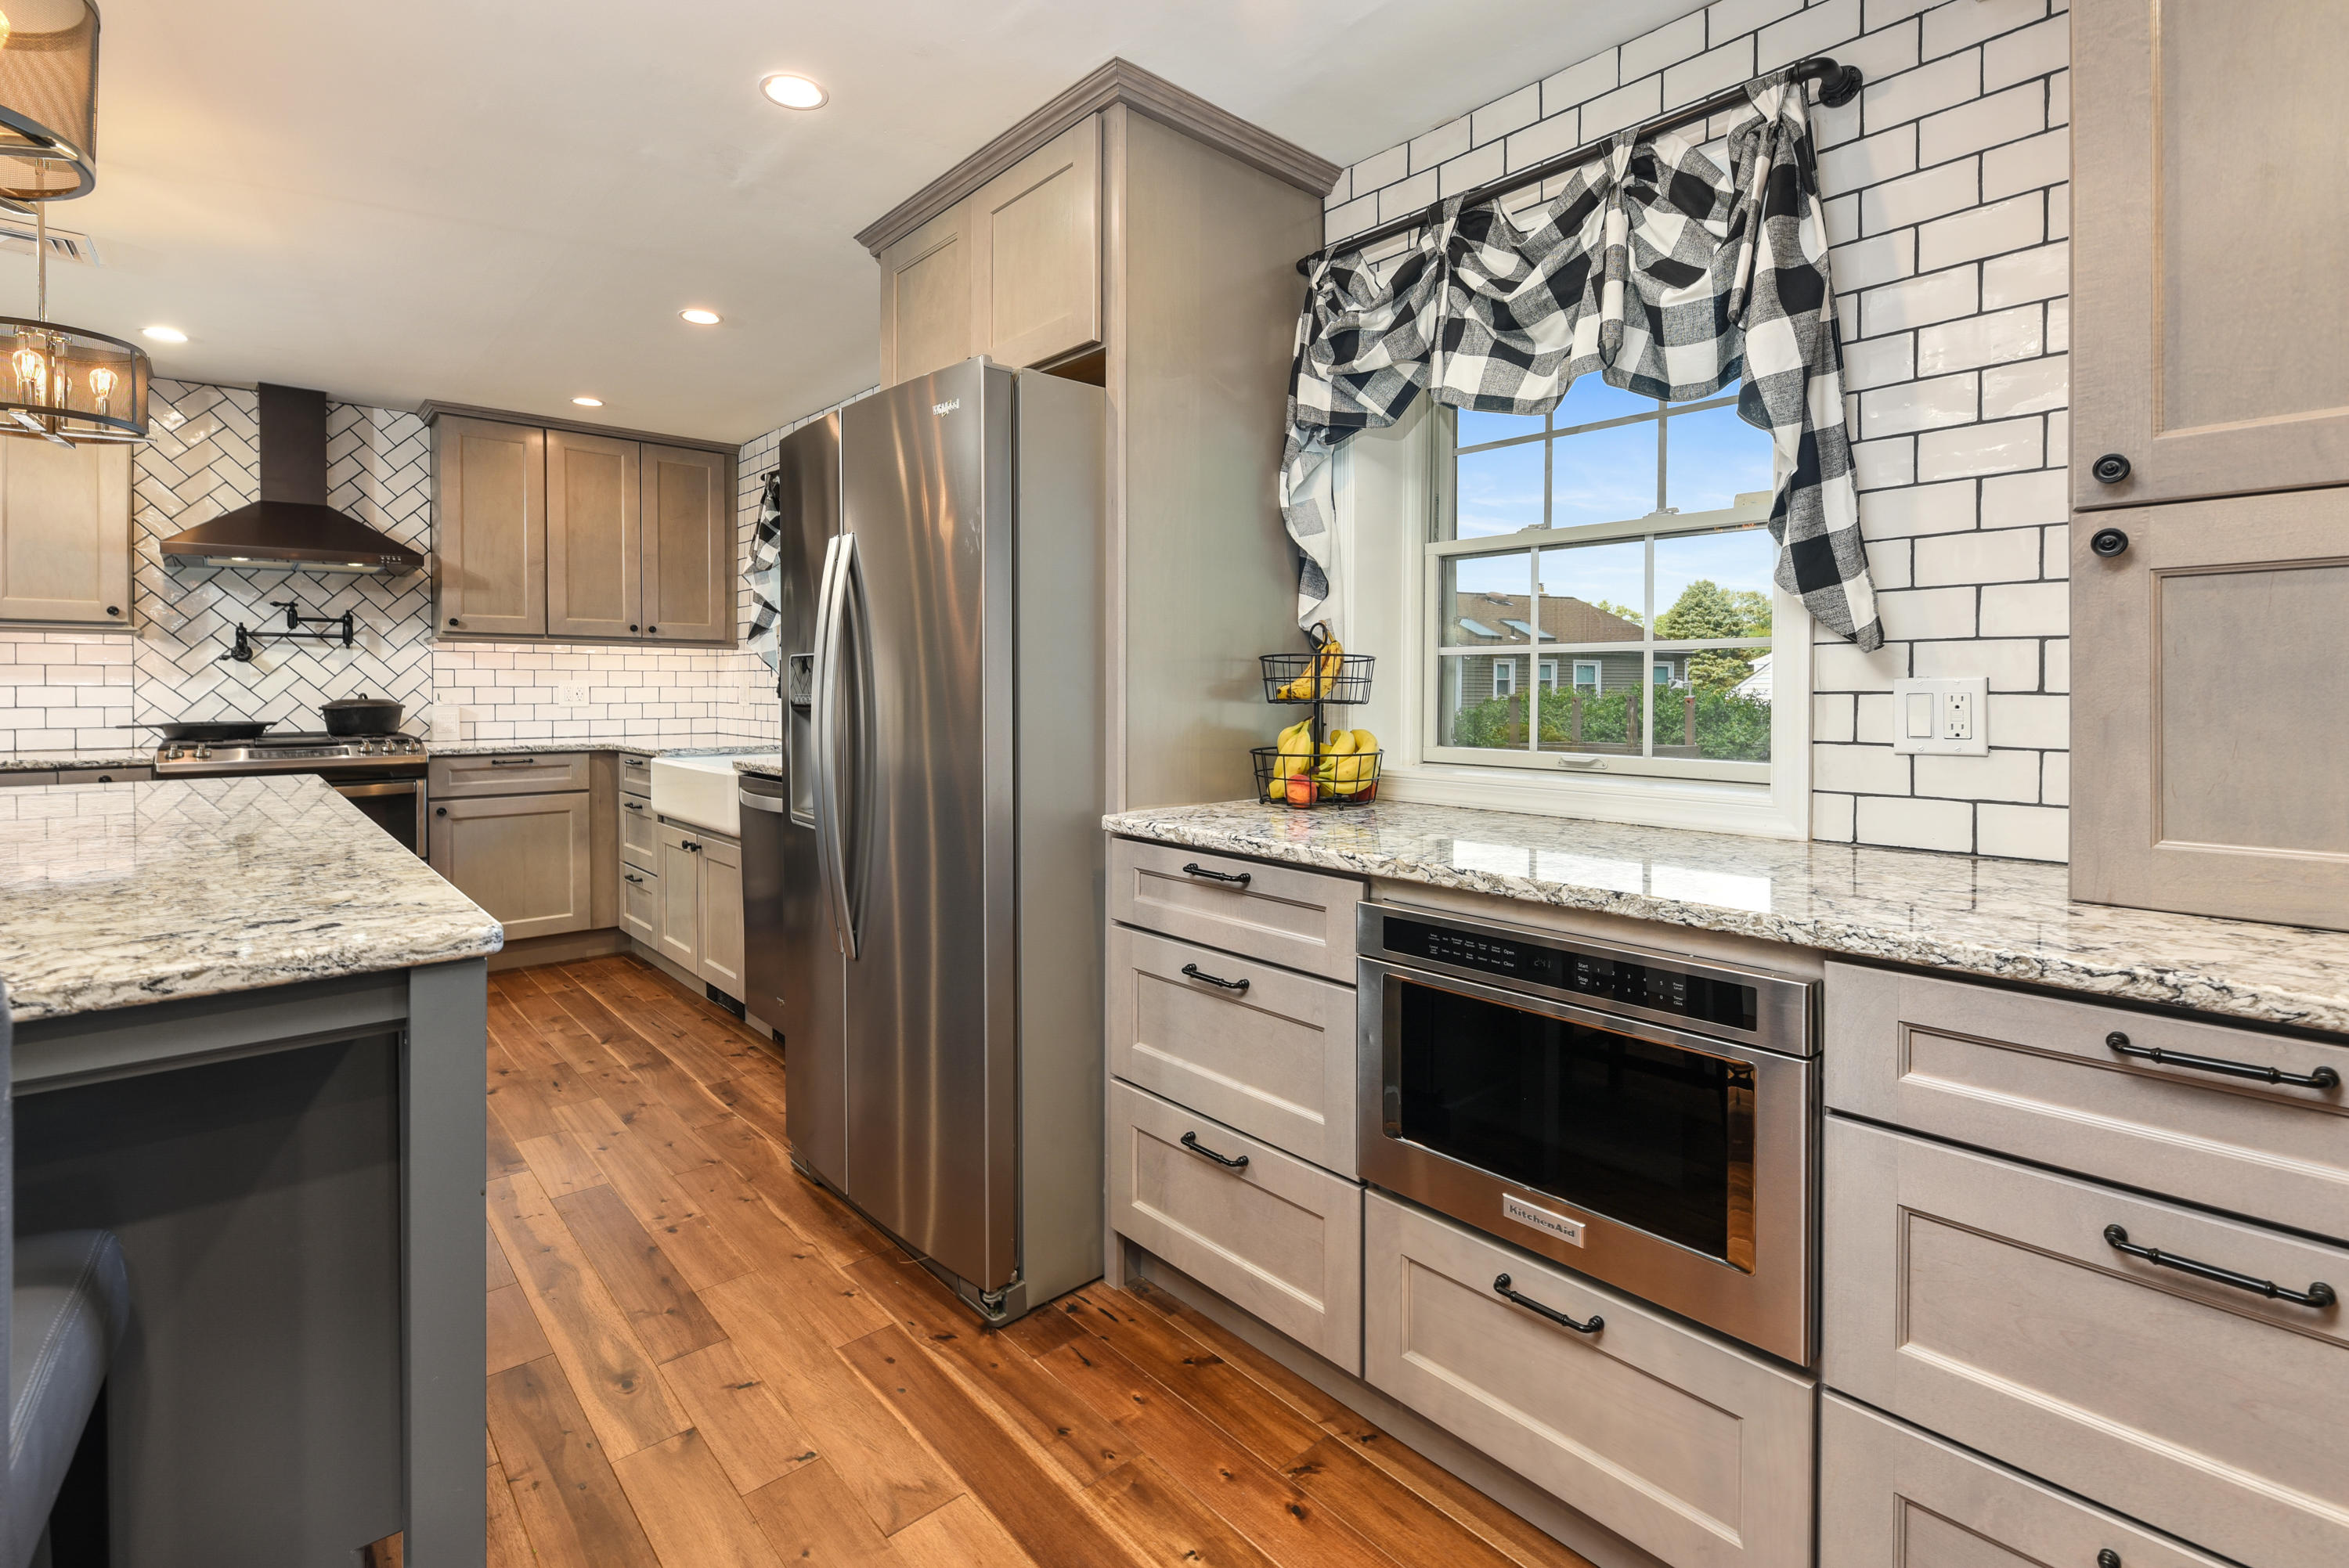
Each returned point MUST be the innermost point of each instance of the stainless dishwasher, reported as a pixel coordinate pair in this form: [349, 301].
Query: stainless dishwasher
[766, 825]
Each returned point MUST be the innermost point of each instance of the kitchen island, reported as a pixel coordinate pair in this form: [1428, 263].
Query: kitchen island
[249, 1039]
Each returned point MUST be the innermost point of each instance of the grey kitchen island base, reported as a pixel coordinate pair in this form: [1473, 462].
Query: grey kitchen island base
[296, 1176]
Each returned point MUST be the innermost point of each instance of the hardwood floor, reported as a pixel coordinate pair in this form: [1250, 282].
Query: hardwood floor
[699, 1360]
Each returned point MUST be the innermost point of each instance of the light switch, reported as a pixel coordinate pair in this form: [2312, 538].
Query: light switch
[1941, 716]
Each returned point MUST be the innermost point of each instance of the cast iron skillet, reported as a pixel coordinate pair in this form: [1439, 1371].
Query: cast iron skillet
[216, 730]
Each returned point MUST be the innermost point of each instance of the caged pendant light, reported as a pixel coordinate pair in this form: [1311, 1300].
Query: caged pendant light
[58, 383]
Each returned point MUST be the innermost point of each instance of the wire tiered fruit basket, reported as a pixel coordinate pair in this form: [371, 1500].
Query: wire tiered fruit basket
[1311, 764]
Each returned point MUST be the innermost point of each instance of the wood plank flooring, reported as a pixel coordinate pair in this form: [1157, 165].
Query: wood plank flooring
[699, 1360]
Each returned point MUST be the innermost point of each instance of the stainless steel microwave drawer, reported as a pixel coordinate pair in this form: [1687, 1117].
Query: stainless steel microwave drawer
[509, 773]
[1890, 1493]
[1297, 919]
[1687, 1446]
[2075, 1084]
[1278, 1236]
[2002, 1308]
[1257, 1048]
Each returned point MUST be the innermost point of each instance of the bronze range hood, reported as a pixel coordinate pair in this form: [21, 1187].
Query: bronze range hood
[291, 528]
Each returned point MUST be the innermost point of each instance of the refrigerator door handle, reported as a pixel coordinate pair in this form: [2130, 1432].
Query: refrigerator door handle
[830, 872]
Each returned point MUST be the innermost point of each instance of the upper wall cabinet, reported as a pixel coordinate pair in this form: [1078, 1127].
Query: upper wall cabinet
[927, 320]
[2211, 212]
[65, 533]
[571, 532]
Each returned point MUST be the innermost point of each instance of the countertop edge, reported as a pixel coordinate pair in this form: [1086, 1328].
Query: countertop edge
[194, 983]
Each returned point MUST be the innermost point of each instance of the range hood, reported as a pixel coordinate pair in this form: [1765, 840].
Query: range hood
[291, 528]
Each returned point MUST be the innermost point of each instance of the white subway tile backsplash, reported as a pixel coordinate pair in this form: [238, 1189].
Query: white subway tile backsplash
[1982, 555]
[1471, 169]
[2034, 163]
[1877, 361]
[2034, 51]
[2024, 832]
[1890, 99]
[1639, 100]
[1545, 140]
[1864, 263]
[1998, 447]
[2009, 225]
[1915, 198]
[1831, 817]
[1928, 612]
[2033, 386]
[1714, 71]
[1918, 509]
[1725, 19]
[1921, 301]
[1653, 51]
[1979, 340]
[1949, 27]
[2026, 610]
[2009, 664]
[1879, 465]
[1919, 405]
[1884, 156]
[2037, 274]
[1864, 770]
[1915, 824]
[2056, 777]
[1996, 776]
[1443, 143]
[1818, 29]
[1579, 83]
[2041, 722]
[2018, 501]
[2011, 116]
[1504, 115]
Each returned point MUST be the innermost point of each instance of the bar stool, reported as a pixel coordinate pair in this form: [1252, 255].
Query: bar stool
[68, 1305]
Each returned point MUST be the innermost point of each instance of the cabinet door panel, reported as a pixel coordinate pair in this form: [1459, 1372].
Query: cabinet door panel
[526, 859]
[680, 898]
[2210, 210]
[721, 915]
[926, 299]
[689, 546]
[2207, 686]
[592, 570]
[1037, 231]
[489, 546]
[65, 533]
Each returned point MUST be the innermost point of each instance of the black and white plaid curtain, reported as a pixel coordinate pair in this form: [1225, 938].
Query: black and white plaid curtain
[1666, 277]
[765, 570]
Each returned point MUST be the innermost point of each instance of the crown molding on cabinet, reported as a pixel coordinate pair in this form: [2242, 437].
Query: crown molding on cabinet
[1117, 81]
[434, 409]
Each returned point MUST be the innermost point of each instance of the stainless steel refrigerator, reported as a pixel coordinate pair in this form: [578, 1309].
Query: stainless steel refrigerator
[952, 747]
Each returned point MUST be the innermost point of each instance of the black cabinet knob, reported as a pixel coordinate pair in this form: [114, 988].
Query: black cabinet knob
[632, 626]
[452, 619]
[2108, 543]
[114, 609]
[650, 630]
[2109, 1558]
[2110, 469]
[439, 811]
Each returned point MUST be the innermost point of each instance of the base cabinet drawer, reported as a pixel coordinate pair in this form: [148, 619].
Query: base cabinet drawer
[1993, 1304]
[1278, 1236]
[2068, 1083]
[509, 773]
[640, 904]
[1697, 1451]
[1297, 919]
[1891, 1494]
[1258, 1049]
[639, 834]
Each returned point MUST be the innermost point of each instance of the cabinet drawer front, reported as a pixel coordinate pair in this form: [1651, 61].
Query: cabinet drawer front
[2036, 1077]
[639, 834]
[1696, 1451]
[1890, 1493]
[640, 904]
[103, 775]
[1275, 1060]
[1279, 914]
[1983, 1300]
[1282, 1238]
[636, 773]
[512, 773]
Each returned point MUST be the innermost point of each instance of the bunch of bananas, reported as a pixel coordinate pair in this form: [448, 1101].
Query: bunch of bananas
[1319, 677]
[1345, 764]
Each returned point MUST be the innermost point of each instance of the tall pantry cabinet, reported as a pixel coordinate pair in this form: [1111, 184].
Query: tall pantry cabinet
[1133, 235]
[2209, 458]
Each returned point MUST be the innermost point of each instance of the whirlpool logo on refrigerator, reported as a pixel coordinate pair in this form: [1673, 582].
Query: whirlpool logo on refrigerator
[943, 409]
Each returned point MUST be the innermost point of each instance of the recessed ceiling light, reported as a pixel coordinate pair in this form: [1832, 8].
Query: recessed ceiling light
[793, 91]
[589, 402]
[700, 317]
[166, 335]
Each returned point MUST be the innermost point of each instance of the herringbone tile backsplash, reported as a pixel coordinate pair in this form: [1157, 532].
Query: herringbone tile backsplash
[64, 690]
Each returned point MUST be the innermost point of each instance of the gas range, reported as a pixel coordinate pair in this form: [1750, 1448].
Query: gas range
[383, 755]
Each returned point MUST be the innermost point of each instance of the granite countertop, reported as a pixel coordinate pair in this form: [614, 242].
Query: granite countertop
[117, 895]
[634, 746]
[765, 764]
[2008, 919]
[123, 756]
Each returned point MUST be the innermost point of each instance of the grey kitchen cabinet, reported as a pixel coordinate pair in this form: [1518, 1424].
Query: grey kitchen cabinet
[641, 903]
[489, 528]
[699, 893]
[1891, 1494]
[1174, 288]
[508, 773]
[1996, 1304]
[104, 775]
[26, 778]
[1279, 914]
[640, 841]
[529, 860]
[2206, 689]
[552, 528]
[594, 584]
[2195, 123]
[65, 534]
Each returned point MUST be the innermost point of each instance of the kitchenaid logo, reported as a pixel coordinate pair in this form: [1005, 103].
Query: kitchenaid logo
[1558, 1225]
[943, 409]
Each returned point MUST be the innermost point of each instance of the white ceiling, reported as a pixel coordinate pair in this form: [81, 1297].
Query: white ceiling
[506, 203]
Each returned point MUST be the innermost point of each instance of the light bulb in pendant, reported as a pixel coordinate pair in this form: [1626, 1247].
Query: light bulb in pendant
[101, 388]
[3, 31]
[32, 368]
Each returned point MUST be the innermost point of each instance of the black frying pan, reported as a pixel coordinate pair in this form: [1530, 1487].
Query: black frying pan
[216, 730]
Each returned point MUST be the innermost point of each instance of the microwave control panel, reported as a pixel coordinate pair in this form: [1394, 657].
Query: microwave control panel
[1656, 987]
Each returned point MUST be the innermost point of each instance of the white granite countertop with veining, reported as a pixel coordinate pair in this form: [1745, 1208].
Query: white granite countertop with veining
[123, 756]
[2008, 919]
[117, 895]
[633, 745]
[767, 764]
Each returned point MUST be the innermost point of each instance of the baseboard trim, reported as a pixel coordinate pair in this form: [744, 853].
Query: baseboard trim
[669, 966]
[563, 947]
[1576, 1530]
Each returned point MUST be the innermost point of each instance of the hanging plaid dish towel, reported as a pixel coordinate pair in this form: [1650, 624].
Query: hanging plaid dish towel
[1652, 268]
[765, 570]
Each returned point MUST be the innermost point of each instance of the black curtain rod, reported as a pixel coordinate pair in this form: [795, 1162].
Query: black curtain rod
[1839, 85]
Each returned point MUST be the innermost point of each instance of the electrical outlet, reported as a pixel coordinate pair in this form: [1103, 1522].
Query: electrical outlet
[1941, 716]
[571, 693]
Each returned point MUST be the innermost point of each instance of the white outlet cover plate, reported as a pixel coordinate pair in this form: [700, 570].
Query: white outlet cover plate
[1938, 705]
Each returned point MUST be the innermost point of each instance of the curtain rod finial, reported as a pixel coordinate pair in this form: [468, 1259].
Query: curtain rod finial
[1840, 85]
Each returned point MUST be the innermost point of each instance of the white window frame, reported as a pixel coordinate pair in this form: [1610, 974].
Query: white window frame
[1503, 663]
[1597, 672]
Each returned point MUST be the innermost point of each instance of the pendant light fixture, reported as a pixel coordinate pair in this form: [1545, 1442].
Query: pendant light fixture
[62, 383]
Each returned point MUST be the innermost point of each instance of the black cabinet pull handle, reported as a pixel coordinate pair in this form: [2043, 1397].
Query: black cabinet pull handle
[1501, 1288]
[2319, 1294]
[513, 761]
[1240, 880]
[1191, 1142]
[2110, 469]
[2108, 543]
[633, 877]
[2316, 1077]
[1196, 973]
[634, 805]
